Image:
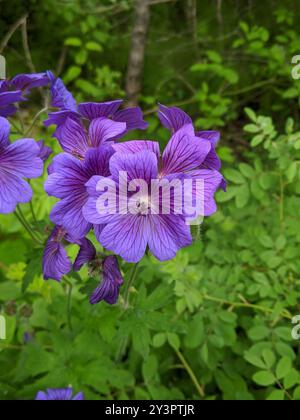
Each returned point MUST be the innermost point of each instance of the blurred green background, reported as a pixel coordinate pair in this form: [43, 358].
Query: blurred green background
[216, 322]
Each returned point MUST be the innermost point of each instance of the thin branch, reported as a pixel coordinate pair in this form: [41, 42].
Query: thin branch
[11, 32]
[26, 48]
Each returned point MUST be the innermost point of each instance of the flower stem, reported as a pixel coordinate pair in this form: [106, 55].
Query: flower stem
[191, 373]
[35, 120]
[69, 305]
[27, 227]
[129, 285]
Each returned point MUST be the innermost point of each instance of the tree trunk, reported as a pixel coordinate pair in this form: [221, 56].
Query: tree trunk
[137, 51]
[191, 15]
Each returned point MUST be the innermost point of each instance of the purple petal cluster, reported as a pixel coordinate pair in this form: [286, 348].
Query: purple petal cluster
[88, 134]
[12, 91]
[18, 161]
[59, 395]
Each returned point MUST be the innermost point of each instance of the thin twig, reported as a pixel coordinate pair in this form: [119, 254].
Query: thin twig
[26, 48]
[191, 373]
[11, 32]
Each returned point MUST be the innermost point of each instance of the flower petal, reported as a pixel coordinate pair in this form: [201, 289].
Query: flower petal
[29, 81]
[184, 152]
[136, 146]
[61, 97]
[142, 165]
[133, 117]
[93, 110]
[173, 118]
[127, 237]
[56, 262]
[87, 253]
[169, 233]
[4, 133]
[103, 130]
[73, 138]
[13, 190]
[110, 286]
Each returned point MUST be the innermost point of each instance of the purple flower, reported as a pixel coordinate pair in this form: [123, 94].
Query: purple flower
[174, 119]
[109, 288]
[26, 82]
[67, 182]
[68, 108]
[128, 235]
[45, 151]
[112, 280]
[76, 140]
[8, 99]
[17, 161]
[86, 254]
[59, 395]
[56, 262]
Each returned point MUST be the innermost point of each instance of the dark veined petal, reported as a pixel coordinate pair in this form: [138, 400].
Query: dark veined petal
[4, 133]
[173, 118]
[168, 234]
[127, 237]
[21, 159]
[13, 190]
[87, 253]
[142, 165]
[103, 130]
[109, 288]
[184, 152]
[56, 262]
[29, 81]
[73, 138]
[136, 146]
[133, 117]
[93, 110]
[60, 96]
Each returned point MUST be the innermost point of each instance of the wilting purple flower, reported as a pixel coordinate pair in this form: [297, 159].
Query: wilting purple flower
[59, 395]
[26, 82]
[17, 161]
[112, 280]
[174, 119]
[86, 254]
[8, 99]
[56, 262]
[111, 277]
[67, 182]
[45, 151]
[68, 108]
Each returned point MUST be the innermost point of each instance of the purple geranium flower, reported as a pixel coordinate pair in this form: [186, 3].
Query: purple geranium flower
[68, 108]
[174, 119]
[112, 279]
[67, 182]
[128, 235]
[59, 395]
[76, 140]
[56, 262]
[17, 161]
[8, 99]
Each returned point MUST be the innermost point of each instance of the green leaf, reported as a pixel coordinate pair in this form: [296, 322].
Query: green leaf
[72, 74]
[283, 368]
[258, 333]
[234, 176]
[269, 358]
[276, 395]
[159, 340]
[195, 333]
[174, 341]
[264, 378]
[73, 42]
[251, 114]
[252, 128]
[93, 46]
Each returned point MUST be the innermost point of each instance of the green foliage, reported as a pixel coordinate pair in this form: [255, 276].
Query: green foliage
[223, 308]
